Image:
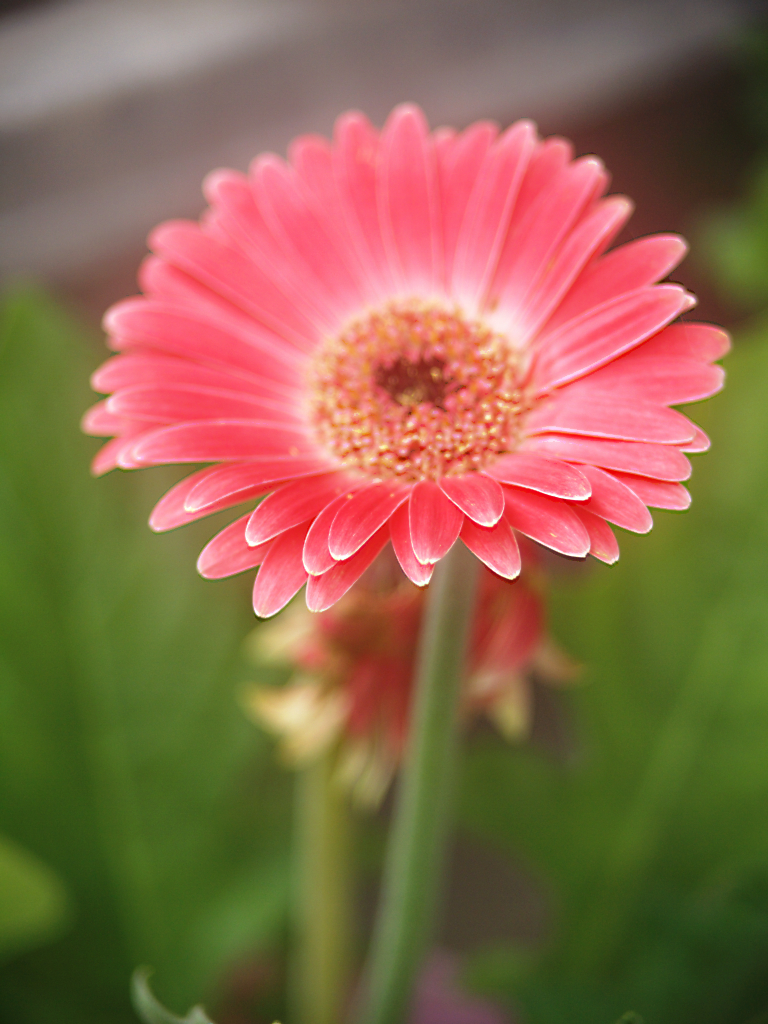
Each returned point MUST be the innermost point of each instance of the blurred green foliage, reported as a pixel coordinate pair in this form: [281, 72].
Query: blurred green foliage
[34, 905]
[129, 778]
[736, 243]
[653, 831]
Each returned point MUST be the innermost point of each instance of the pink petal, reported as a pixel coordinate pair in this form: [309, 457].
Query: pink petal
[100, 421]
[669, 380]
[546, 520]
[110, 455]
[495, 546]
[477, 495]
[125, 370]
[700, 442]
[490, 209]
[434, 520]
[170, 403]
[317, 555]
[230, 274]
[537, 473]
[459, 162]
[240, 481]
[172, 510]
[591, 235]
[148, 368]
[533, 241]
[324, 591]
[292, 504]
[158, 279]
[691, 340]
[315, 162]
[303, 230]
[281, 574]
[408, 198]
[356, 157]
[237, 221]
[220, 441]
[228, 553]
[311, 156]
[174, 288]
[601, 182]
[582, 409]
[195, 336]
[549, 160]
[364, 513]
[444, 138]
[602, 541]
[656, 460]
[615, 502]
[657, 493]
[400, 534]
[627, 269]
[606, 332]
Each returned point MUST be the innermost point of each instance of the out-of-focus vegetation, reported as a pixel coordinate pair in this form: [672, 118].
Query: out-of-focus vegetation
[652, 834]
[736, 241]
[34, 905]
[141, 817]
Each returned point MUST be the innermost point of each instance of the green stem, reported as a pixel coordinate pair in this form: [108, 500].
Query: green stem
[418, 832]
[323, 909]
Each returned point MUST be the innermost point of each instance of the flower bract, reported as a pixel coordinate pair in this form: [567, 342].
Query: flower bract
[407, 337]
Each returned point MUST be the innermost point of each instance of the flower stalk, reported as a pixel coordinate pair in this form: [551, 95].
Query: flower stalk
[319, 974]
[419, 829]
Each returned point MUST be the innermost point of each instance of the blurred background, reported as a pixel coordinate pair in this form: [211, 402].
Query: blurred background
[616, 861]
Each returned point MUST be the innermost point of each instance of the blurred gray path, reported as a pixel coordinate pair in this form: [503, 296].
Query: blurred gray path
[111, 111]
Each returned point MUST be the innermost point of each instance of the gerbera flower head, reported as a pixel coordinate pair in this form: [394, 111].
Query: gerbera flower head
[353, 666]
[407, 337]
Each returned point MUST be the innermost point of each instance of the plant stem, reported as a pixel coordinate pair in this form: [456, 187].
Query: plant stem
[323, 908]
[418, 831]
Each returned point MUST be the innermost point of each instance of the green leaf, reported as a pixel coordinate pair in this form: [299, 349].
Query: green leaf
[126, 764]
[652, 830]
[153, 1012]
[34, 906]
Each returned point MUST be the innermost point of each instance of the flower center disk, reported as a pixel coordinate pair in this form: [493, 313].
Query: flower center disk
[415, 391]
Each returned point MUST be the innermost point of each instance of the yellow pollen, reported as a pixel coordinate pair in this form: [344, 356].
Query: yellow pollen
[415, 391]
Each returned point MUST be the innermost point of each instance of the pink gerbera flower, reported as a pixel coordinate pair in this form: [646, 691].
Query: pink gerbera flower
[411, 338]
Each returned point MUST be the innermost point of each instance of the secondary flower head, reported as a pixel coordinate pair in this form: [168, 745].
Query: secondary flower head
[407, 337]
[353, 670]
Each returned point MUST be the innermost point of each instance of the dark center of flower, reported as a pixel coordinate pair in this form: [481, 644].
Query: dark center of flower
[415, 391]
[413, 383]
